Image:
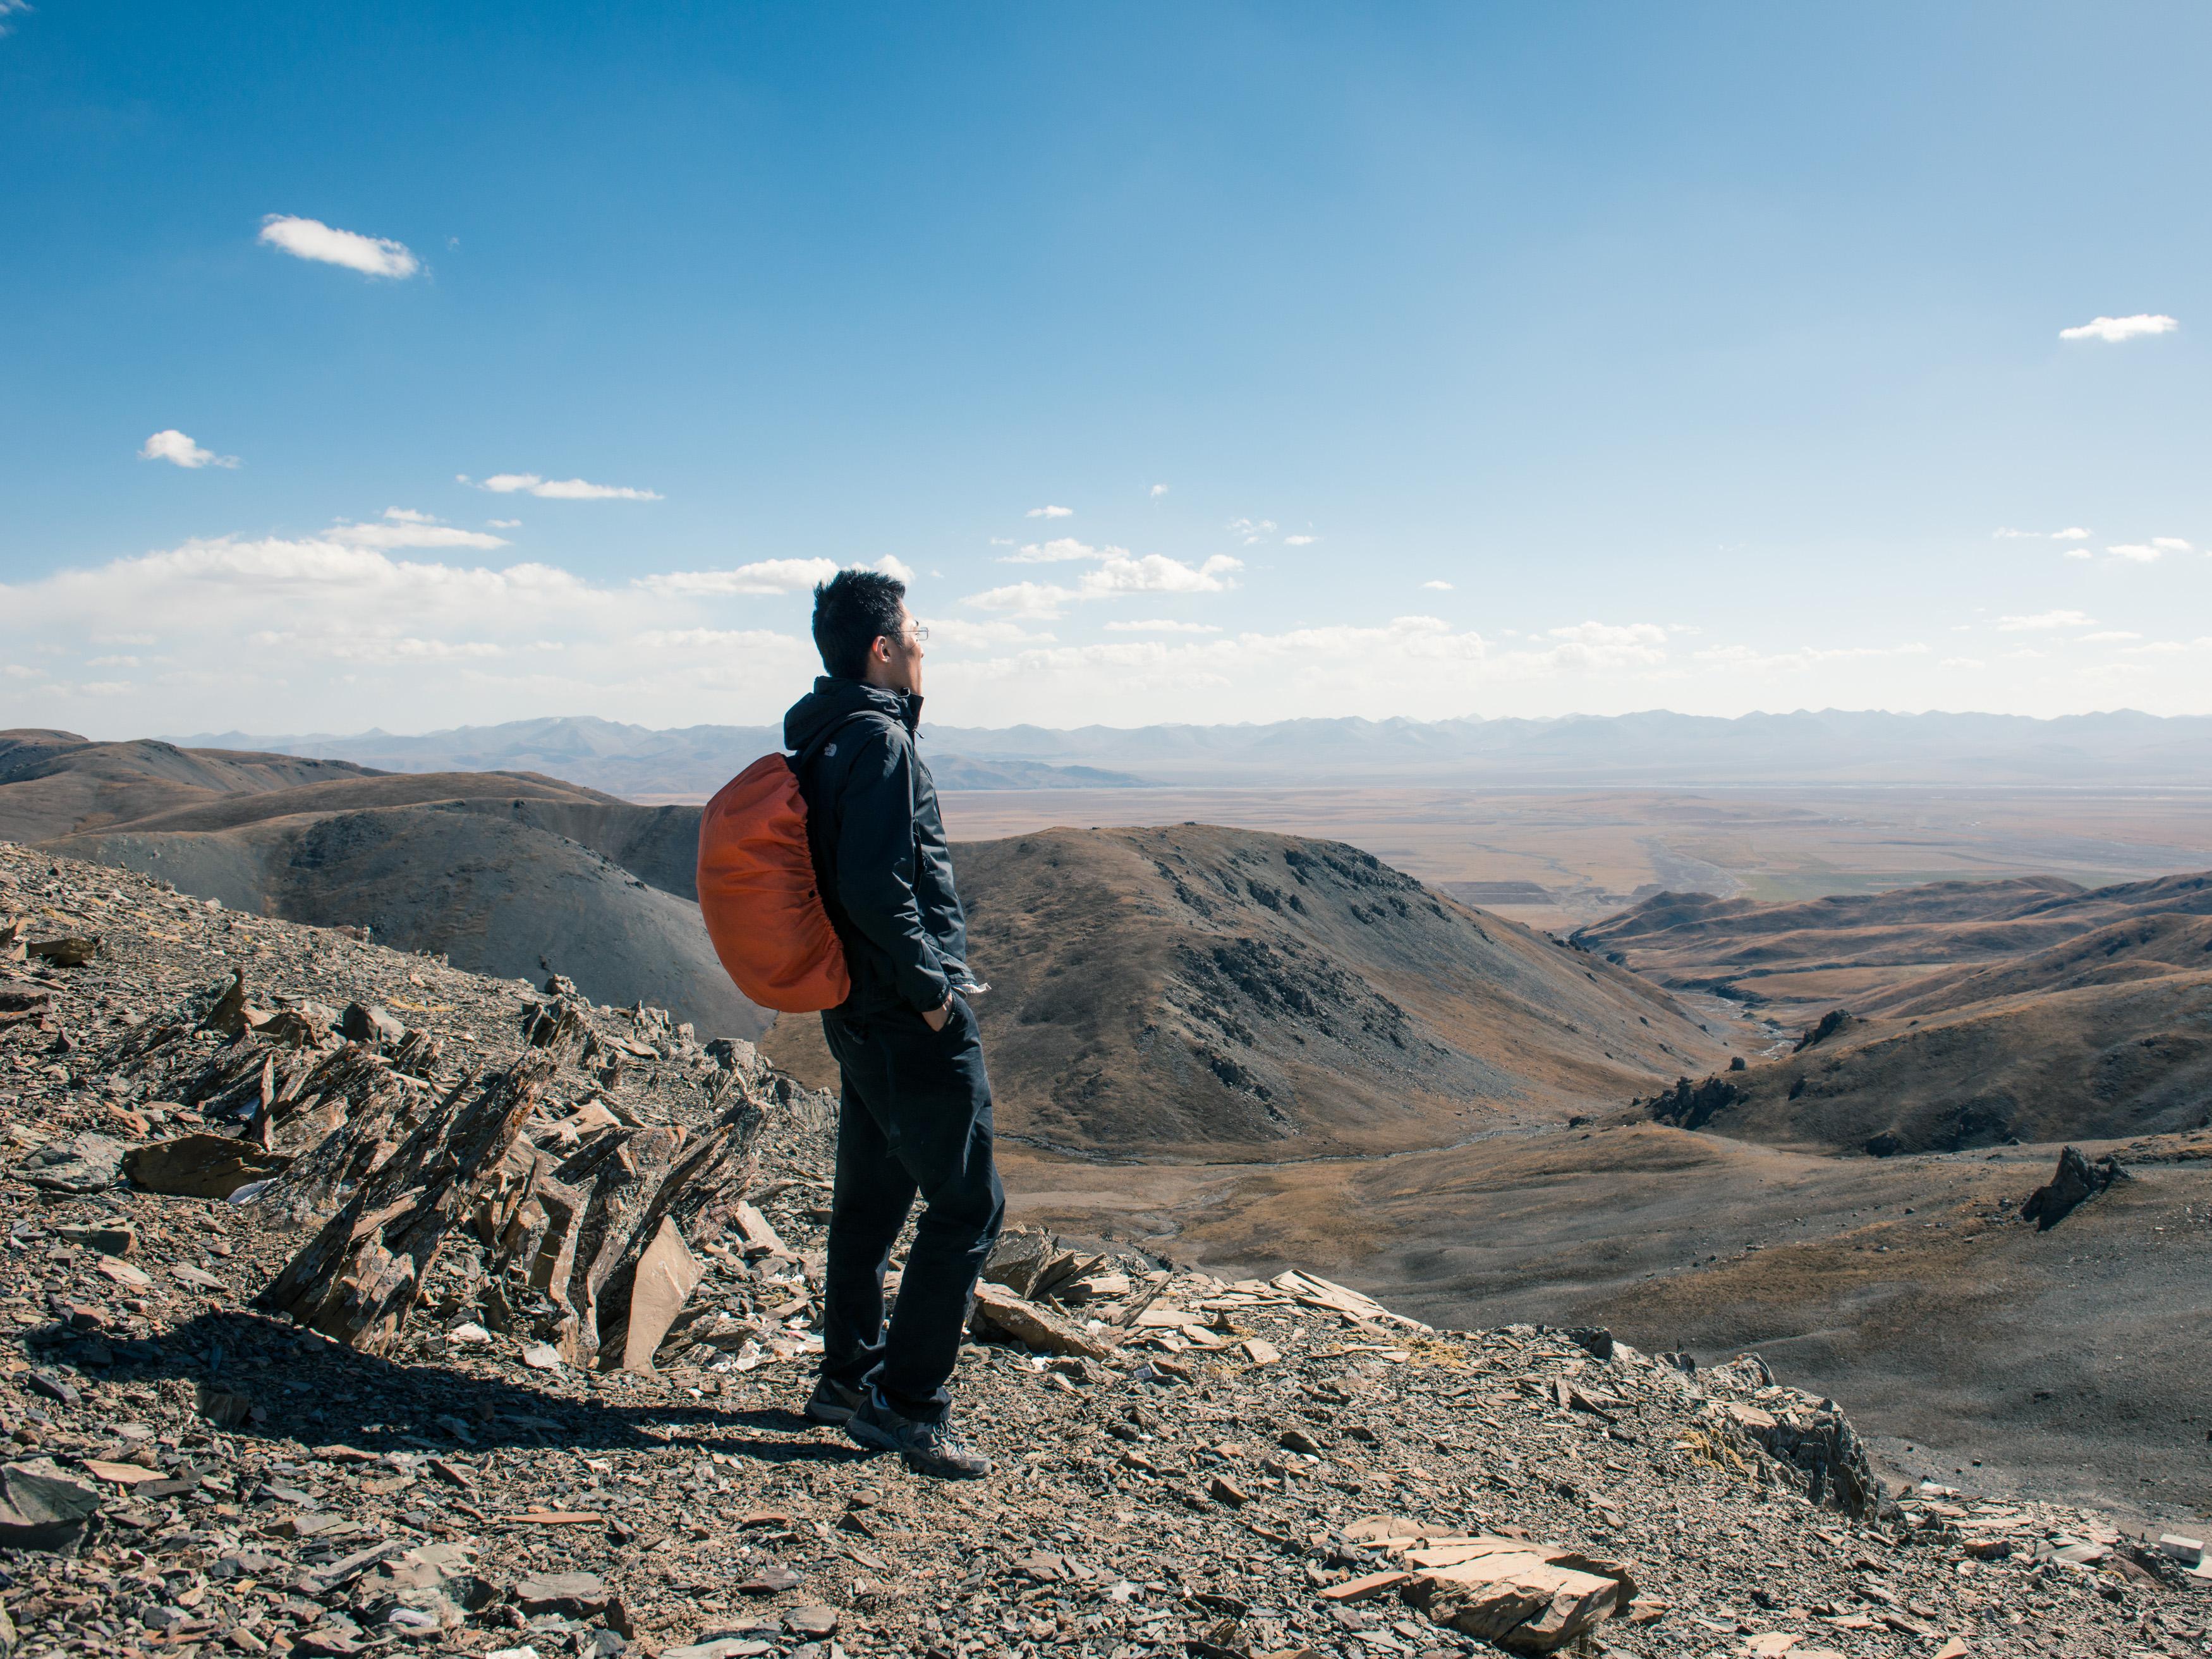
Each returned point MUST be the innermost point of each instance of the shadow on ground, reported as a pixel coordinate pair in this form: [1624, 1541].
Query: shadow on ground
[300, 1387]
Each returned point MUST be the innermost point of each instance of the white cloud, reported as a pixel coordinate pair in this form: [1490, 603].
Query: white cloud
[172, 446]
[338, 636]
[1039, 599]
[1156, 574]
[962, 634]
[1157, 491]
[1300, 541]
[1119, 573]
[2115, 329]
[708, 639]
[557, 489]
[1596, 633]
[2148, 552]
[504, 524]
[1741, 658]
[765, 576]
[1060, 551]
[310, 239]
[257, 625]
[1252, 530]
[206, 578]
[10, 8]
[405, 527]
[2109, 637]
[1439, 585]
[2071, 534]
[1050, 513]
[2079, 553]
[2044, 620]
[1410, 661]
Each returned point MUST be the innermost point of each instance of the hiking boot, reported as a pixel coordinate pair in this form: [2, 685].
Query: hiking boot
[928, 1448]
[832, 1402]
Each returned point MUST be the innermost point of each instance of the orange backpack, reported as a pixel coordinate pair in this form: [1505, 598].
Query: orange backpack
[757, 891]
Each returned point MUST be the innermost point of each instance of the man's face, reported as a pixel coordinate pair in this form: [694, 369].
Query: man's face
[897, 659]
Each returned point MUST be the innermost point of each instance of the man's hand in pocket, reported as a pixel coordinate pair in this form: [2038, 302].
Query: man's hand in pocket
[935, 1018]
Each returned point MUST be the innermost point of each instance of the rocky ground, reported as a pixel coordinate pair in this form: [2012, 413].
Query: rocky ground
[1248, 1467]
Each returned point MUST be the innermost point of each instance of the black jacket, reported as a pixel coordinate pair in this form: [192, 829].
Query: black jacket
[885, 872]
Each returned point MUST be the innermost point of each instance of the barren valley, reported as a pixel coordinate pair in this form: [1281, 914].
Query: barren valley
[1561, 857]
[1254, 1045]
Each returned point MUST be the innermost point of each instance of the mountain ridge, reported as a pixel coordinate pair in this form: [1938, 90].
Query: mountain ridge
[1655, 746]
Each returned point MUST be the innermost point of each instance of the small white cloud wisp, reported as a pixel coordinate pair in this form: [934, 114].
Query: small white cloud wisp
[2114, 329]
[175, 447]
[1050, 513]
[556, 489]
[313, 239]
[763, 576]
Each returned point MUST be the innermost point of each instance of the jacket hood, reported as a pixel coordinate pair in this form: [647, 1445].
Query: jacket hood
[832, 699]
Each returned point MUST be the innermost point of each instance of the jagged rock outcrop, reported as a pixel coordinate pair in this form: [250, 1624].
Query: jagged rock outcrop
[2073, 1183]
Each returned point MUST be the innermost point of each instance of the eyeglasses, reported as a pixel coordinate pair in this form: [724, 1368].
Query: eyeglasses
[919, 635]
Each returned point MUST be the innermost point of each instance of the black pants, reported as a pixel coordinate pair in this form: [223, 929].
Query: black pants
[915, 1117]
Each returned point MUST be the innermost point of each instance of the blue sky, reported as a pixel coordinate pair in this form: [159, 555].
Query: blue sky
[1703, 351]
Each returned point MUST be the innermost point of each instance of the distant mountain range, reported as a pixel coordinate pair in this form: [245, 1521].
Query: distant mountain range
[635, 762]
[1657, 748]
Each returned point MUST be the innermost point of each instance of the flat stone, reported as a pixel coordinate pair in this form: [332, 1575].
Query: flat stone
[42, 1506]
[123, 1273]
[576, 1594]
[814, 1620]
[116, 1240]
[772, 1579]
[1033, 1326]
[667, 1274]
[83, 1164]
[70, 951]
[201, 1166]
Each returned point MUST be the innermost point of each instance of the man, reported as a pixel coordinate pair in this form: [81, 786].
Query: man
[915, 1114]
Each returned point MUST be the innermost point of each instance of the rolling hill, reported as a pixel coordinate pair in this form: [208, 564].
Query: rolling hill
[510, 874]
[1954, 1015]
[1199, 992]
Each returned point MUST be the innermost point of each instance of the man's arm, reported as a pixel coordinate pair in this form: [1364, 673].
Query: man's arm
[876, 868]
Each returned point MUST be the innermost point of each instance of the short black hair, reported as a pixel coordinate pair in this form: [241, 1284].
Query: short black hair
[852, 610]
